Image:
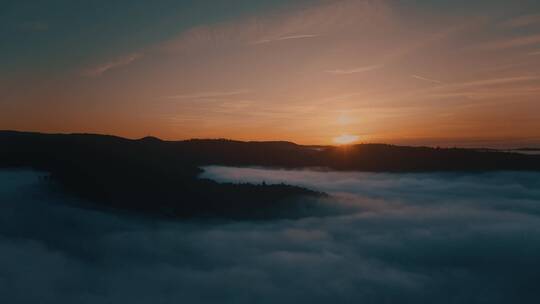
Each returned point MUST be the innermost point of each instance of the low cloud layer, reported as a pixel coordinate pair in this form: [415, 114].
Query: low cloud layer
[407, 238]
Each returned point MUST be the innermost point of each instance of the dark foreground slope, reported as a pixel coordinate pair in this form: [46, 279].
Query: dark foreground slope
[154, 176]
[145, 176]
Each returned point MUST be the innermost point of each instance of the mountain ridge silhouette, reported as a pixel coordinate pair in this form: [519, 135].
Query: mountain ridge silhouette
[157, 177]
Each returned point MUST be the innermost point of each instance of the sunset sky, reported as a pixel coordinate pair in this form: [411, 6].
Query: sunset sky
[463, 73]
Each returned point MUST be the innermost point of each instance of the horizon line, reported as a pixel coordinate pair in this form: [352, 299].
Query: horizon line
[467, 143]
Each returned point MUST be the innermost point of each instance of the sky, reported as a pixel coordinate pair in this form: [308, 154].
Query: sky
[314, 72]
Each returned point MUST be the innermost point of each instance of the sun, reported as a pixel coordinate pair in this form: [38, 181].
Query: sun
[346, 139]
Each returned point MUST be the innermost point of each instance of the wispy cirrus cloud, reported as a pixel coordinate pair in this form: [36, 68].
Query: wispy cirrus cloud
[427, 79]
[355, 70]
[457, 87]
[522, 21]
[496, 81]
[485, 88]
[210, 94]
[113, 64]
[318, 21]
[282, 38]
[489, 93]
[508, 43]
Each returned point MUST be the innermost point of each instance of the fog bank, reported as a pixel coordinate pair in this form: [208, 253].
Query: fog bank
[406, 238]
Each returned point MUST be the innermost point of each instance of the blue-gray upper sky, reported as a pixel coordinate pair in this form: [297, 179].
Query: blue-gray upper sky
[45, 34]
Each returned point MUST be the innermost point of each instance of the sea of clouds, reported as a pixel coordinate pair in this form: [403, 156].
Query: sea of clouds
[399, 238]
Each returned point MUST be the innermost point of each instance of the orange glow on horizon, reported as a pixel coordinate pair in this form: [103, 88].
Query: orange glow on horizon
[346, 139]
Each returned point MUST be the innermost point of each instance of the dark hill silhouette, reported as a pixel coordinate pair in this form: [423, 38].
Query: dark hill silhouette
[161, 177]
[145, 176]
[362, 157]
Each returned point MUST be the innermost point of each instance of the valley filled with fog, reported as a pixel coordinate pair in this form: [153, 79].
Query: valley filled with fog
[377, 238]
